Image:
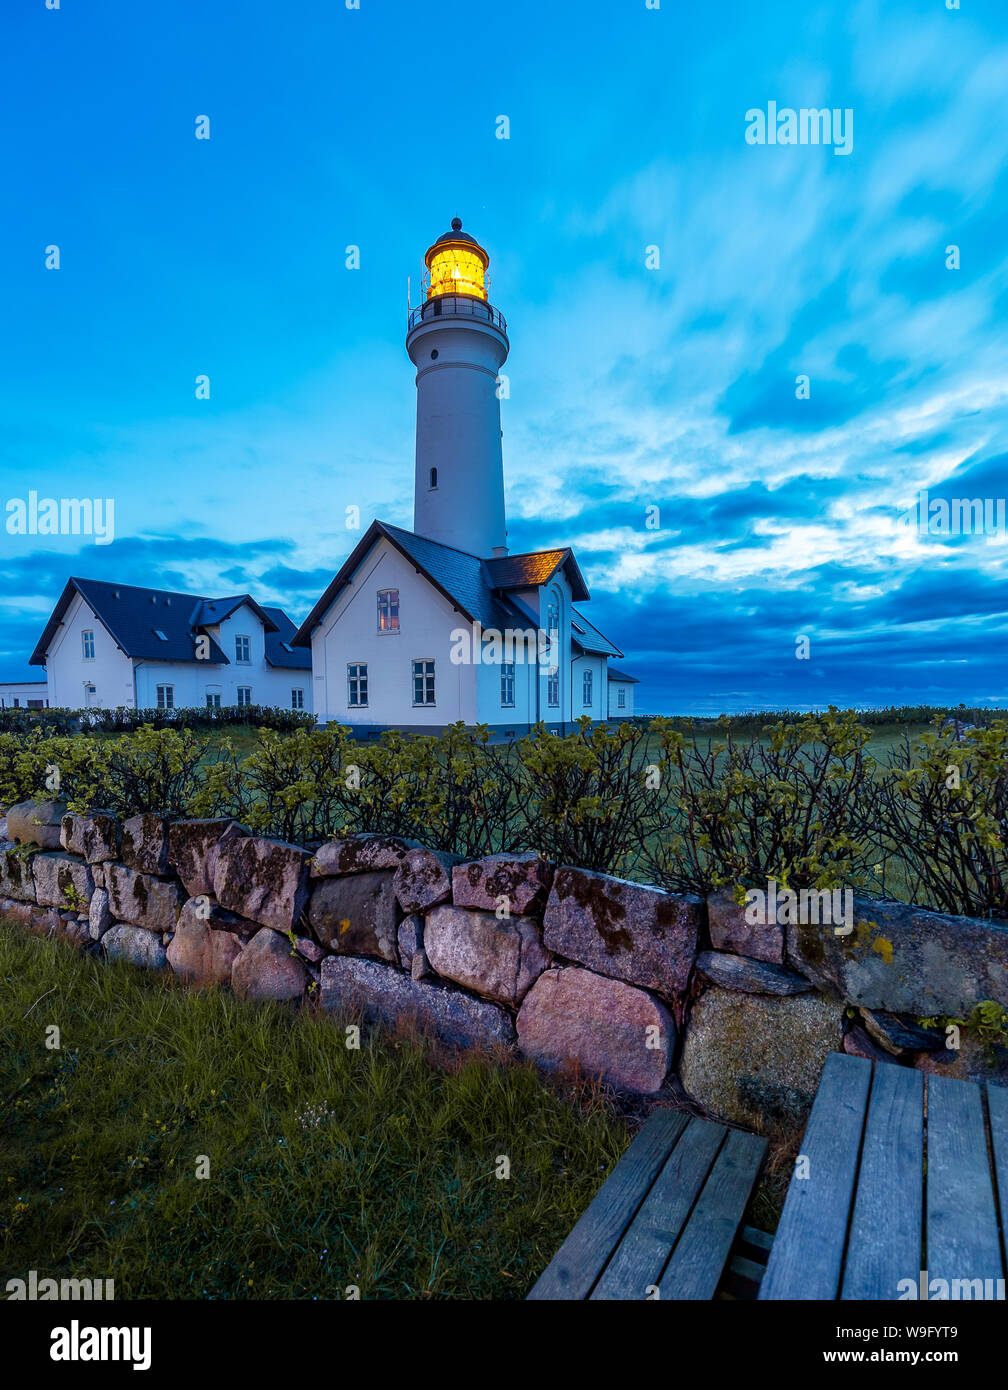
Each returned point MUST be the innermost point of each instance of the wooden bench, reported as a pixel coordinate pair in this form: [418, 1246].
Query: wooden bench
[902, 1172]
[665, 1220]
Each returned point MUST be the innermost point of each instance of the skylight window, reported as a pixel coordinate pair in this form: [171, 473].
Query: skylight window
[288, 648]
[159, 634]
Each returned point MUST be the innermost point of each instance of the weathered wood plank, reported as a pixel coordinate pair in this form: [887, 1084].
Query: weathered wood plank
[700, 1255]
[962, 1236]
[573, 1270]
[997, 1107]
[643, 1252]
[885, 1241]
[807, 1254]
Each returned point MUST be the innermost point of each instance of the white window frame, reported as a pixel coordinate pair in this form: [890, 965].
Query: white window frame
[507, 684]
[553, 690]
[213, 698]
[587, 687]
[297, 697]
[87, 643]
[354, 681]
[243, 704]
[424, 676]
[166, 697]
[621, 697]
[240, 637]
[383, 594]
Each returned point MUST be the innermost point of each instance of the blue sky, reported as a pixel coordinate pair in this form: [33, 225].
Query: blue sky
[630, 387]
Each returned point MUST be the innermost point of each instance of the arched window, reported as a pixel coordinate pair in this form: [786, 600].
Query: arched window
[433, 477]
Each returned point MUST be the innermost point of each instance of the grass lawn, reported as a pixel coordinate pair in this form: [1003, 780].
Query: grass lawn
[327, 1167]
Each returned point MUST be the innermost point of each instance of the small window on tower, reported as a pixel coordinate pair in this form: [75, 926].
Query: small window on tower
[433, 477]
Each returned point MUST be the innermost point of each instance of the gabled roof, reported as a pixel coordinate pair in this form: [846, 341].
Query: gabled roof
[215, 610]
[280, 649]
[615, 675]
[587, 637]
[537, 567]
[460, 577]
[152, 624]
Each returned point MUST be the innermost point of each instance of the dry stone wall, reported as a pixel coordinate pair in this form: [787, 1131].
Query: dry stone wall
[641, 988]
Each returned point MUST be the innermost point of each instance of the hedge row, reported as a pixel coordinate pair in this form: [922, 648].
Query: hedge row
[806, 805]
[123, 720]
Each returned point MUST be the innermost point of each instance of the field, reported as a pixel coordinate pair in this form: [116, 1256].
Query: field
[328, 1167]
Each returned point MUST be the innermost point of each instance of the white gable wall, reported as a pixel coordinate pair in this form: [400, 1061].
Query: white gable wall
[348, 633]
[110, 672]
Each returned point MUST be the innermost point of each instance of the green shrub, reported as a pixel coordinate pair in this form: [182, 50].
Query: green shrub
[790, 809]
[941, 810]
[586, 797]
[124, 720]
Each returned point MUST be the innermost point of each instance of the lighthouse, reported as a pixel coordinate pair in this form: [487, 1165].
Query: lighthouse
[420, 630]
[458, 343]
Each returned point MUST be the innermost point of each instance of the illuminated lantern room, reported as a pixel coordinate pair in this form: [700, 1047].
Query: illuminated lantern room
[456, 264]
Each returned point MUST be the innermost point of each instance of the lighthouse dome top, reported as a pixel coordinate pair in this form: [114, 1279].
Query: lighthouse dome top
[457, 264]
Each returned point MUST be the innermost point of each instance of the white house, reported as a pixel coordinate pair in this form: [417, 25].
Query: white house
[422, 628]
[23, 695]
[107, 645]
[621, 695]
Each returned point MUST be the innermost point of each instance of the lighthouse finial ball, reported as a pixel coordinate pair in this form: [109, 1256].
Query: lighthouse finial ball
[456, 224]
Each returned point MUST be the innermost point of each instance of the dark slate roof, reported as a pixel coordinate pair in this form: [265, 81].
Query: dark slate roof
[586, 636]
[462, 578]
[215, 610]
[537, 567]
[615, 675]
[134, 616]
[277, 654]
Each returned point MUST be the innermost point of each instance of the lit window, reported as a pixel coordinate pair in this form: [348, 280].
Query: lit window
[388, 610]
[244, 696]
[166, 697]
[620, 697]
[507, 682]
[423, 682]
[357, 680]
[297, 699]
[586, 689]
[553, 690]
[87, 645]
[243, 651]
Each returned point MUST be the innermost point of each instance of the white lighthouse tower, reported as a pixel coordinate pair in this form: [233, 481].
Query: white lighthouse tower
[458, 343]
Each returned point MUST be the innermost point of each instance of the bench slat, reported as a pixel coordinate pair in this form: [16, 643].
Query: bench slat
[962, 1234]
[997, 1105]
[699, 1258]
[573, 1270]
[807, 1255]
[885, 1236]
[644, 1250]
